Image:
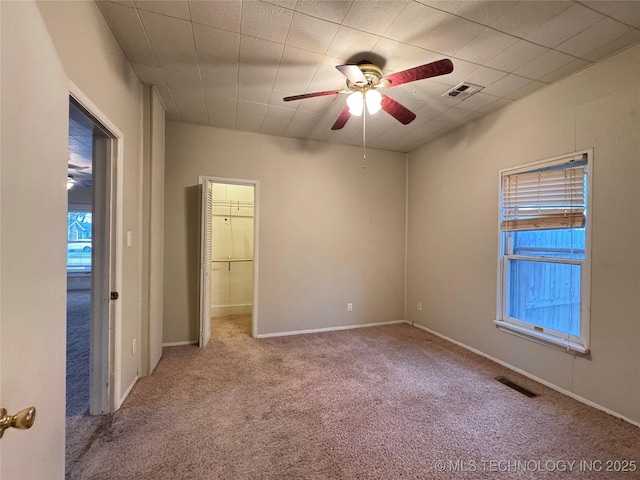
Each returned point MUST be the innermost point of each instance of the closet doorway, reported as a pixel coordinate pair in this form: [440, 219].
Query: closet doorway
[228, 287]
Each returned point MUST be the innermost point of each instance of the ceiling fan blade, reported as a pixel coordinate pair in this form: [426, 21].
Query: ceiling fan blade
[396, 110]
[353, 73]
[433, 69]
[311, 95]
[342, 119]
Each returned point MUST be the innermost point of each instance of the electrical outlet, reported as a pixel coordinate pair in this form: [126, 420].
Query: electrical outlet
[419, 307]
[133, 347]
[349, 307]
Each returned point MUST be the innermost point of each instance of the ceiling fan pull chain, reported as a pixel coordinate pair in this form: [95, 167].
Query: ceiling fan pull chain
[364, 136]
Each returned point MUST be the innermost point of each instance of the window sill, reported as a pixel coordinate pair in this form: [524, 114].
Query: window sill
[542, 338]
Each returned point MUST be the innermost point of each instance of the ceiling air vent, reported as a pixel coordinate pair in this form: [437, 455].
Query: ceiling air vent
[462, 91]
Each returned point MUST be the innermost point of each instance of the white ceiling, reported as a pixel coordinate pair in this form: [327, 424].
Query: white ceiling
[229, 63]
[81, 130]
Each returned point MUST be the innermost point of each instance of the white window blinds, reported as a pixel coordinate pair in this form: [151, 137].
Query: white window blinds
[547, 196]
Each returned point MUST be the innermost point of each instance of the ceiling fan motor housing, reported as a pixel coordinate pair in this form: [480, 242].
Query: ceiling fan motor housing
[371, 72]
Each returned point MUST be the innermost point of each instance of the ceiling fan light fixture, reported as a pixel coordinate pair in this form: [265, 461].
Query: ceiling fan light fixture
[374, 101]
[355, 101]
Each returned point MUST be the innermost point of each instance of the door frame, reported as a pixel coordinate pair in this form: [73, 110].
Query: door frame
[202, 181]
[105, 395]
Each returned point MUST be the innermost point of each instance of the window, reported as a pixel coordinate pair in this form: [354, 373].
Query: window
[79, 244]
[543, 285]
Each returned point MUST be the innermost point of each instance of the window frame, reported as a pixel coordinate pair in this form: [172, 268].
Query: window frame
[563, 341]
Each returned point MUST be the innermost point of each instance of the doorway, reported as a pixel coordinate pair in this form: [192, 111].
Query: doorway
[228, 291]
[88, 263]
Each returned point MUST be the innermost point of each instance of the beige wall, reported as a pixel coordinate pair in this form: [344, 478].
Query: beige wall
[33, 235]
[95, 63]
[330, 233]
[453, 223]
[80, 195]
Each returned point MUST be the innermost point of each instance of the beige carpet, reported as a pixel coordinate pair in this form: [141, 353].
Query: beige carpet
[389, 402]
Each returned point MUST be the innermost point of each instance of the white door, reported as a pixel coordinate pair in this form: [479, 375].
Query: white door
[33, 233]
[205, 262]
[102, 309]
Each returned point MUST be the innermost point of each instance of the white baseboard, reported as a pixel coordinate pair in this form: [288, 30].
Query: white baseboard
[177, 344]
[126, 393]
[328, 329]
[529, 375]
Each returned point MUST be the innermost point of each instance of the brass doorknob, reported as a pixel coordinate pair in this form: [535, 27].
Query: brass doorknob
[21, 420]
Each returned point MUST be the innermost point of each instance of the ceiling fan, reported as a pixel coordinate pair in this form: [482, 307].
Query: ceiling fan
[363, 81]
[78, 175]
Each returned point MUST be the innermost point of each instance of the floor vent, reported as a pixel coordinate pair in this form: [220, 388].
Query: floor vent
[515, 386]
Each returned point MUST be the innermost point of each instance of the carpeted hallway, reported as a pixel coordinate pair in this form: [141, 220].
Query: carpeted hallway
[78, 333]
[384, 402]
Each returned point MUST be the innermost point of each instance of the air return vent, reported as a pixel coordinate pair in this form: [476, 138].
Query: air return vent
[462, 91]
[515, 386]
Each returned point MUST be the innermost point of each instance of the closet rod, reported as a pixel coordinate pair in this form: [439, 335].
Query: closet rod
[232, 260]
[225, 260]
[232, 203]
